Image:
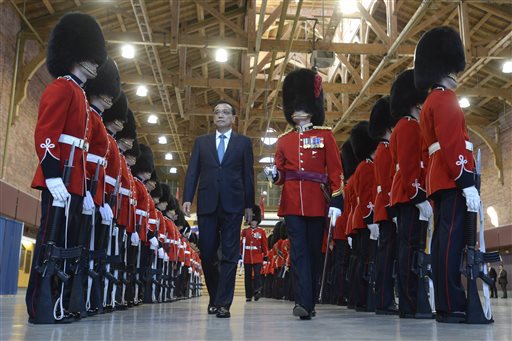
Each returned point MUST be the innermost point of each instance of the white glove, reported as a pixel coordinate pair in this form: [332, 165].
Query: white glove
[166, 257]
[189, 270]
[57, 189]
[334, 213]
[349, 240]
[425, 210]
[115, 231]
[106, 214]
[395, 220]
[135, 239]
[88, 204]
[161, 253]
[270, 172]
[240, 262]
[374, 231]
[154, 243]
[472, 198]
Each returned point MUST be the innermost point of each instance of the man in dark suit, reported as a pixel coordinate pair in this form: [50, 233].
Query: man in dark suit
[502, 280]
[222, 163]
[494, 276]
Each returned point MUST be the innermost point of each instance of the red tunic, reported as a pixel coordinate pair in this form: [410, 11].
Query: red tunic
[113, 171]
[383, 181]
[442, 121]
[142, 209]
[407, 155]
[350, 204]
[63, 110]
[256, 245]
[364, 190]
[152, 218]
[98, 146]
[312, 150]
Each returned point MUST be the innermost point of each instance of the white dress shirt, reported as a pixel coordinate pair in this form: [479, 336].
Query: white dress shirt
[226, 139]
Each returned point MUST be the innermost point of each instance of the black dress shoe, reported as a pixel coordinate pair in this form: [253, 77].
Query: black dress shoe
[212, 309]
[390, 310]
[257, 295]
[313, 313]
[456, 317]
[300, 311]
[248, 299]
[223, 312]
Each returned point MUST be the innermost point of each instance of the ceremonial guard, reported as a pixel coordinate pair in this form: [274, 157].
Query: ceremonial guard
[254, 248]
[76, 48]
[381, 125]
[450, 182]
[365, 232]
[307, 164]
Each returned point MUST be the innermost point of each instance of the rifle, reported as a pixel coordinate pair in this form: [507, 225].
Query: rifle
[92, 274]
[241, 261]
[108, 275]
[77, 302]
[136, 274]
[421, 266]
[473, 263]
[371, 275]
[322, 283]
[52, 256]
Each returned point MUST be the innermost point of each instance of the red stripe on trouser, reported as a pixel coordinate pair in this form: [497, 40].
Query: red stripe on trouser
[408, 284]
[384, 279]
[447, 255]
[38, 278]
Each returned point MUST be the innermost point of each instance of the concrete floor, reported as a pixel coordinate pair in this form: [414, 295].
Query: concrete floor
[263, 320]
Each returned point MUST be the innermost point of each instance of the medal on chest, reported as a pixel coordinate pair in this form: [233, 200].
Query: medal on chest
[313, 142]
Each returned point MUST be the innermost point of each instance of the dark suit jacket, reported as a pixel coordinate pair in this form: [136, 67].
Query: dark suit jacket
[502, 277]
[230, 182]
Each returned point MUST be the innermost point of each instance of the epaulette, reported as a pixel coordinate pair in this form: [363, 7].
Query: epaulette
[322, 127]
[286, 132]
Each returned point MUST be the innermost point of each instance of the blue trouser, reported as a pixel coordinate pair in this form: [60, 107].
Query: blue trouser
[386, 257]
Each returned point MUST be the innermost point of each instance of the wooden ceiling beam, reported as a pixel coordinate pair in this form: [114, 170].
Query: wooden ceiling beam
[222, 19]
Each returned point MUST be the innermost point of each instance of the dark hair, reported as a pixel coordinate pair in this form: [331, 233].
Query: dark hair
[224, 102]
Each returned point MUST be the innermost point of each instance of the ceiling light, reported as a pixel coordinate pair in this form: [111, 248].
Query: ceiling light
[168, 156]
[348, 6]
[507, 67]
[491, 212]
[464, 102]
[173, 170]
[267, 159]
[221, 55]
[152, 119]
[128, 51]
[142, 91]
[162, 140]
[268, 140]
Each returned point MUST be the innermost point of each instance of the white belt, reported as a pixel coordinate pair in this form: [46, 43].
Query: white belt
[71, 140]
[96, 158]
[251, 248]
[153, 221]
[379, 189]
[161, 235]
[141, 212]
[434, 147]
[167, 241]
[133, 202]
[125, 191]
[187, 252]
[110, 180]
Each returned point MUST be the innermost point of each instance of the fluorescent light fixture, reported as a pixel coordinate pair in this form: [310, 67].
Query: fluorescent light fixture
[348, 6]
[162, 140]
[264, 193]
[173, 170]
[268, 140]
[221, 55]
[271, 130]
[168, 156]
[142, 91]
[507, 67]
[464, 102]
[128, 51]
[267, 159]
[152, 119]
[491, 212]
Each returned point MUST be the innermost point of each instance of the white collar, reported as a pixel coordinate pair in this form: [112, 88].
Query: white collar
[227, 134]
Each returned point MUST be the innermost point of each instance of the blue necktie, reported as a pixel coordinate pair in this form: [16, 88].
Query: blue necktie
[221, 148]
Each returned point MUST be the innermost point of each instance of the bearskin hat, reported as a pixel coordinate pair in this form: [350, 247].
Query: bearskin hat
[173, 203]
[404, 95]
[302, 91]
[107, 82]
[145, 161]
[118, 110]
[439, 52]
[135, 151]
[380, 118]
[157, 191]
[348, 160]
[166, 193]
[154, 177]
[77, 37]
[256, 210]
[129, 130]
[362, 144]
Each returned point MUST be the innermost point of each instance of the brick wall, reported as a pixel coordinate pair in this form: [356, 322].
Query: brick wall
[493, 192]
[21, 159]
